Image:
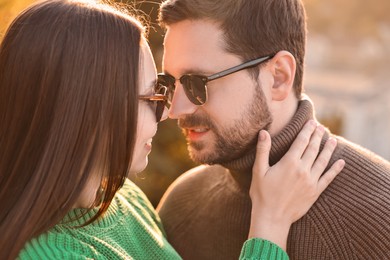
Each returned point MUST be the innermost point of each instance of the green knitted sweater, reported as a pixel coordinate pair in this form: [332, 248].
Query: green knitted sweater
[130, 229]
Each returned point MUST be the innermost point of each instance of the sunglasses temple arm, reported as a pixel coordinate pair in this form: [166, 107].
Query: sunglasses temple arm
[238, 68]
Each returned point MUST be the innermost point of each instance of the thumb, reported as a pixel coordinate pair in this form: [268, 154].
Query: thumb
[262, 152]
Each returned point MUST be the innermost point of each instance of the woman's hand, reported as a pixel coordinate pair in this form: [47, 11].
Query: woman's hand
[283, 193]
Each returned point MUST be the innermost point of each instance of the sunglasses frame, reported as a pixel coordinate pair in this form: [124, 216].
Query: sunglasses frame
[170, 81]
[160, 100]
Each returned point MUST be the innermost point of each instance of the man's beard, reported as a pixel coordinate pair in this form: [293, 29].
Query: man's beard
[233, 141]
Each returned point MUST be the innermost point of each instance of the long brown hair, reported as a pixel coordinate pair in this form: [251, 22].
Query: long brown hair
[252, 28]
[68, 105]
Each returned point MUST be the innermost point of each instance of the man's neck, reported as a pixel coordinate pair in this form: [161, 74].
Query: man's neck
[282, 113]
[241, 168]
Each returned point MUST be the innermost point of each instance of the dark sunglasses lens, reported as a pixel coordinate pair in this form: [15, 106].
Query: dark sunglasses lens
[160, 106]
[195, 89]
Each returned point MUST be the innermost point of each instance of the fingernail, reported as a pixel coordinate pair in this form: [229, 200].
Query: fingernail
[321, 128]
[262, 135]
[341, 164]
[333, 141]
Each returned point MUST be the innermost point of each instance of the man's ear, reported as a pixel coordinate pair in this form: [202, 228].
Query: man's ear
[283, 66]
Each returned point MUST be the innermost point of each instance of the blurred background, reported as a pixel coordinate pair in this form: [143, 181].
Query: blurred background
[347, 77]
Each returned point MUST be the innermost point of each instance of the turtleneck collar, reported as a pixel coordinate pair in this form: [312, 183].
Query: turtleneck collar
[280, 142]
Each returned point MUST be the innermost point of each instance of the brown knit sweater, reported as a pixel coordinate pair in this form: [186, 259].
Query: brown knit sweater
[206, 212]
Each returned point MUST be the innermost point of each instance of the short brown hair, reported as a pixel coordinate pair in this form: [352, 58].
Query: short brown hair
[252, 28]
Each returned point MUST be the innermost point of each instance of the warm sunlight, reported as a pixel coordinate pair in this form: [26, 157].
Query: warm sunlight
[347, 64]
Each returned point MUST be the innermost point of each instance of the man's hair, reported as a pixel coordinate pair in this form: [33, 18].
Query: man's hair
[252, 28]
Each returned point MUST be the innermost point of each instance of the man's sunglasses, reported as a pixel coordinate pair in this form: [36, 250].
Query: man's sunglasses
[158, 100]
[195, 85]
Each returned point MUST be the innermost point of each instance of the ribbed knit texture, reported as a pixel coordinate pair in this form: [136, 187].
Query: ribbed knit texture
[259, 249]
[210, 206]
[129, 230]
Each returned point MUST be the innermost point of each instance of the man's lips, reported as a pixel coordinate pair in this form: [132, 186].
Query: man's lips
[196, 133]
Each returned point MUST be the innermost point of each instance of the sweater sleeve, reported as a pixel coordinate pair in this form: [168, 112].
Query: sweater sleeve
[261, 249]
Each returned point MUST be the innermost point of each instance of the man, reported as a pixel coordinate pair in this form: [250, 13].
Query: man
[206, 212]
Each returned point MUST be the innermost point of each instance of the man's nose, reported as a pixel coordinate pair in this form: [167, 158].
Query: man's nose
[180, 105]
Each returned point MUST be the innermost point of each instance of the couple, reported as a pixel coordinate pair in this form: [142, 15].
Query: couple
[79, 106]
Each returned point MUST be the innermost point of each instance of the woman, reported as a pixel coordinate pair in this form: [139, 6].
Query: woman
[78, 108]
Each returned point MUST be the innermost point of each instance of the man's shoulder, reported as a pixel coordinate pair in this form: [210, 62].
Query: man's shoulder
[366, 175]
[360, 157]
[363, 186]
[200, 173]
[199, 177]
[352, 212]
[194, 183]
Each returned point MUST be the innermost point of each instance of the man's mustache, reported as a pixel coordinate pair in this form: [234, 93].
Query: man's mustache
[191, 121]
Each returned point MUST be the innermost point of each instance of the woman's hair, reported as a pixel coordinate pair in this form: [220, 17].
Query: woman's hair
[68, 112]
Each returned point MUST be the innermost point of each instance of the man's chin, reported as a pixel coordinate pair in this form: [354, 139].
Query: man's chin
[204, 154]
[200, 155]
